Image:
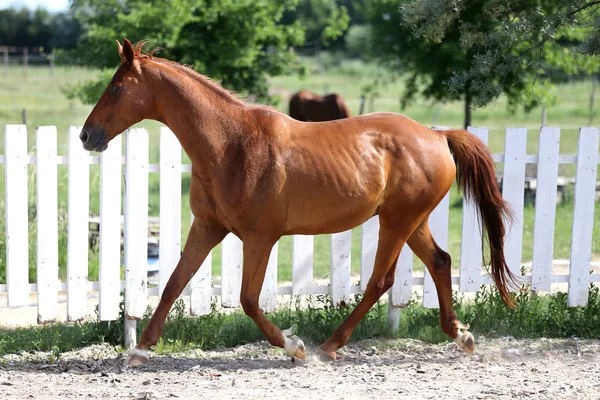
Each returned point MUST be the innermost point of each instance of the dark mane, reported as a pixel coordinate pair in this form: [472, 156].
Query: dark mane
[188, 70]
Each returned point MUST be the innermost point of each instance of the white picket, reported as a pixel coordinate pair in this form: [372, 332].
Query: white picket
[170, 206]
[545, 209]
[201, 286]
[302, 264]
[17, 228]
[136, 222]
[513, 186]
[268, 294]
[403, 281]
[438, 224]
[341, 248]
[583, 216]
[77, 247]
[47, 223]
[470, 247]
[110, 231]
[369, 240]
[231, 271]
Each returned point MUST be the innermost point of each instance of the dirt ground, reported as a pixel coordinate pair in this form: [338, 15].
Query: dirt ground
[377, 369]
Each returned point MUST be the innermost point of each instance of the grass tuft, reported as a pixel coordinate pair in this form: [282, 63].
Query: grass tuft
[535, 316]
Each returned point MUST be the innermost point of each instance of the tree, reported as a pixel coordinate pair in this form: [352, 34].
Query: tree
[237, 42]
[476, 50]
[38, 28]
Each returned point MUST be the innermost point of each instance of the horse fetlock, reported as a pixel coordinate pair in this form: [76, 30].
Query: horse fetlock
[294, 346]
[465, 340]
[136, 357]
[324, 353]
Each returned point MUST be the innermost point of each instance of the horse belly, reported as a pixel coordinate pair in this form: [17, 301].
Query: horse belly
[318, 209]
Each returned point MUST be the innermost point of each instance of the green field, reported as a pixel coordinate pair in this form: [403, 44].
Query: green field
[40, 94]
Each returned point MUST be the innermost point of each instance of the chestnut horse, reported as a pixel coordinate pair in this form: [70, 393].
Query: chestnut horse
[307, 106]
[260, 174]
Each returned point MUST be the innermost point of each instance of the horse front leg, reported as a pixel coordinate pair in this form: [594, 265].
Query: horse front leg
[204, 235]
[256, 258]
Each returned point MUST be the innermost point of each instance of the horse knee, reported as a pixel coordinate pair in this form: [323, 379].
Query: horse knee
[389, 281]
[376, 285]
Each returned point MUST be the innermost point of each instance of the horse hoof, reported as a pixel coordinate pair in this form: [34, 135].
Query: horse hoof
[465, 341]
[136, 358]
[326, 356]
[295, 347]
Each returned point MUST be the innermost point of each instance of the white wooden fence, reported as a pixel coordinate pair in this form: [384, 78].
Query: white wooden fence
[471, 274]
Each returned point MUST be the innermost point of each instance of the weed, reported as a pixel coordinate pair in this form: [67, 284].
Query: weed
[316, 319]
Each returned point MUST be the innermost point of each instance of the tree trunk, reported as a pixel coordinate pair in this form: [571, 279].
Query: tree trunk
[467, 110]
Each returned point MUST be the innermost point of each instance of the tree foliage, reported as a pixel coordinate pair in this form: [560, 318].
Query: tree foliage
[37, 28]
[477, 50]
[237, 42]
[321, 18]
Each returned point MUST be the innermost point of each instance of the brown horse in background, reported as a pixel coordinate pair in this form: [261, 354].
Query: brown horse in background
[307, 106]
[260, 174]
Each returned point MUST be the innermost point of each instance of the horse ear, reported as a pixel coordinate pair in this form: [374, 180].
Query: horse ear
[128, 53]
[119, 48]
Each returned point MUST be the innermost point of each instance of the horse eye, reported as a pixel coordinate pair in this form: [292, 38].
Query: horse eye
[114, 89]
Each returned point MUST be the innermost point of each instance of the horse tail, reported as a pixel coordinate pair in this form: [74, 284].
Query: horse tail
[476, 177]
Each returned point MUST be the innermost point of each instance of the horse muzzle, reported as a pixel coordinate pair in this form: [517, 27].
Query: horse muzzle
[93, 139]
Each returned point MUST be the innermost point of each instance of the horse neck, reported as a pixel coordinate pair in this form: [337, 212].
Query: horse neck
[203, 116]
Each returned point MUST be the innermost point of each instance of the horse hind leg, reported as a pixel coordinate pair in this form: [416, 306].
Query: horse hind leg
[382, 278]
[438, 264]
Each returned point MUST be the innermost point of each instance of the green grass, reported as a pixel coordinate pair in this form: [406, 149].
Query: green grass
[41, 95]
[534, 317]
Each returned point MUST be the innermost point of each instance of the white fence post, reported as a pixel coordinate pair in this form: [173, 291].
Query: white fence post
[110, 231]
[136, 227]
[268, 295]
[302, 264]
[438, 223]
[79, 206]
[17, 227]
[231, 271]
[545, 209]
[369, 240]
[401, 292]
[471, 256]
[170, 206]
[583, 217]
[201, 286]
[513, 185]
[47, 223]
[341, 248]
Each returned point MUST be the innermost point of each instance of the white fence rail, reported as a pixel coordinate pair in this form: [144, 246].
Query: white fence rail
[136, 170]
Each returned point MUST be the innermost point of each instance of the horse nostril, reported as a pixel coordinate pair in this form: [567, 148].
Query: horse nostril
[83, 136]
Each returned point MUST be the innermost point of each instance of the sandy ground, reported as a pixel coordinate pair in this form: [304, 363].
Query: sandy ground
[373, 369]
